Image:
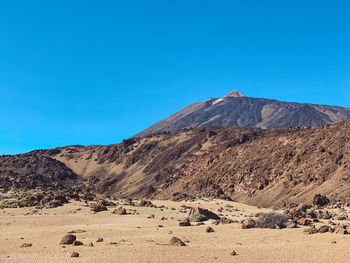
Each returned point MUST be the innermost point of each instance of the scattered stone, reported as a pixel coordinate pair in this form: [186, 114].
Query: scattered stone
[234, 253]
[100, 239]
[113, 243]
[91, 244]
[68, 239]
[75, 255]
[77, 243]
[26, 245]
[209, 230]
[174, 241]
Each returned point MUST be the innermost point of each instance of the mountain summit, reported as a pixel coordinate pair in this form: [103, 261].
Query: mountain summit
[234, 93]
[236, 109]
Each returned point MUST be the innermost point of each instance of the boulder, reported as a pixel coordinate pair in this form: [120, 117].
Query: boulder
[68, 239]
[320, 200]
[119, 211]
[324, 229]
[98, 207]
[77, 243]
[298, 211]
[174, 241]
[201, 214]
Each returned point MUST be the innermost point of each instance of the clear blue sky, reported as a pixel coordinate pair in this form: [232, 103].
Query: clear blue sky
[96, 72]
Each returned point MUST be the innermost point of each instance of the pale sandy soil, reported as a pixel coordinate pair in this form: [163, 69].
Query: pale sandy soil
[140, 239]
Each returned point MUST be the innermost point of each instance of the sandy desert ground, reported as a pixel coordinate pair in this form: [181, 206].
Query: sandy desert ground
[141, 238]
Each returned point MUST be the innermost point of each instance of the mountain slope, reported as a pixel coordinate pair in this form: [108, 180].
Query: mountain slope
[235, 109]
[251, 165]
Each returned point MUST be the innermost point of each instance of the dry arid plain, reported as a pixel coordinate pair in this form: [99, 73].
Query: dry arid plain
[143, 234]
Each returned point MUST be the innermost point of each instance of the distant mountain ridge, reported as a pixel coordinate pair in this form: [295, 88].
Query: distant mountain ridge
[236, 109]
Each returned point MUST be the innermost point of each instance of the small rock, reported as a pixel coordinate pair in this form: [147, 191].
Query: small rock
[174, 241]
[100, 239]
[75, 255]
[77, 243]
[209, 230]
[91, 244]
[26, 245]
[234, 253]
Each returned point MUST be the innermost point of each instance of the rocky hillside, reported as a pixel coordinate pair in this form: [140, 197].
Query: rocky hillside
[235, 109]
[250, 165]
